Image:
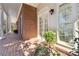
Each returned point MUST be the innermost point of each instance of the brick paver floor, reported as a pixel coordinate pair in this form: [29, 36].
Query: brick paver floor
[10, 45]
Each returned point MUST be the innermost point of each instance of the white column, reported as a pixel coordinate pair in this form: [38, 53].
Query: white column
[9, 23]
[1, 30]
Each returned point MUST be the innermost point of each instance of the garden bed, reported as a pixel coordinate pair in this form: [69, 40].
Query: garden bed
[36, 47]
[28, 47]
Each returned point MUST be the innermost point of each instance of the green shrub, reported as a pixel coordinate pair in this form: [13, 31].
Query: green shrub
[15, 31]
[46, 50]
[50, 36]
[42, 51]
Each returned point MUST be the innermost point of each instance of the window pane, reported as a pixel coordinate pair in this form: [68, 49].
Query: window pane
[41, 26]
[68, 38]
[43, 22]
[65, 23]
[77, 10]
[62, 37]
[78, 24]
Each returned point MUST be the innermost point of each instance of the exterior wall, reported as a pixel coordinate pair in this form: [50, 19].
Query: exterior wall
[52, 19]
[43, 9]
[29, 21]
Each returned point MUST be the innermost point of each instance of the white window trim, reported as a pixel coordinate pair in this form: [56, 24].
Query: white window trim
[41, 13]
[57, 16]
[73, 17]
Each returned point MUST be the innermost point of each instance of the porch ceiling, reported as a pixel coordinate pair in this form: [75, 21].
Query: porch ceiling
[12, 10]
[34, 4]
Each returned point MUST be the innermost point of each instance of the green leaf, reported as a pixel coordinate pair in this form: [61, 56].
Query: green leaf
[50, 36]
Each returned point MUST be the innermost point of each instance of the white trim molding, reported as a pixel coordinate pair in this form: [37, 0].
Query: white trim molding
[75, 25]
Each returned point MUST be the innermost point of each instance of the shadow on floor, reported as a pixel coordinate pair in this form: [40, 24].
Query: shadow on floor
[10, 45]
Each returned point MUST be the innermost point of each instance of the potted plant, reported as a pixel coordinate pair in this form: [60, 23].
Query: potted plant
[50, 38]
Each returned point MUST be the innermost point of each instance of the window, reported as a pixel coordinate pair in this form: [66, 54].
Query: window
[77, 21]
[65, 23]
[77, 10]
[43, 24]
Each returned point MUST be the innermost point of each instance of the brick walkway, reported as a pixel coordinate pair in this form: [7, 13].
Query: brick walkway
[10, 46]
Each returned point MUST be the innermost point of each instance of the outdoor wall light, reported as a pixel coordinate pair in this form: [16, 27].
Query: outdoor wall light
[51, 11]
